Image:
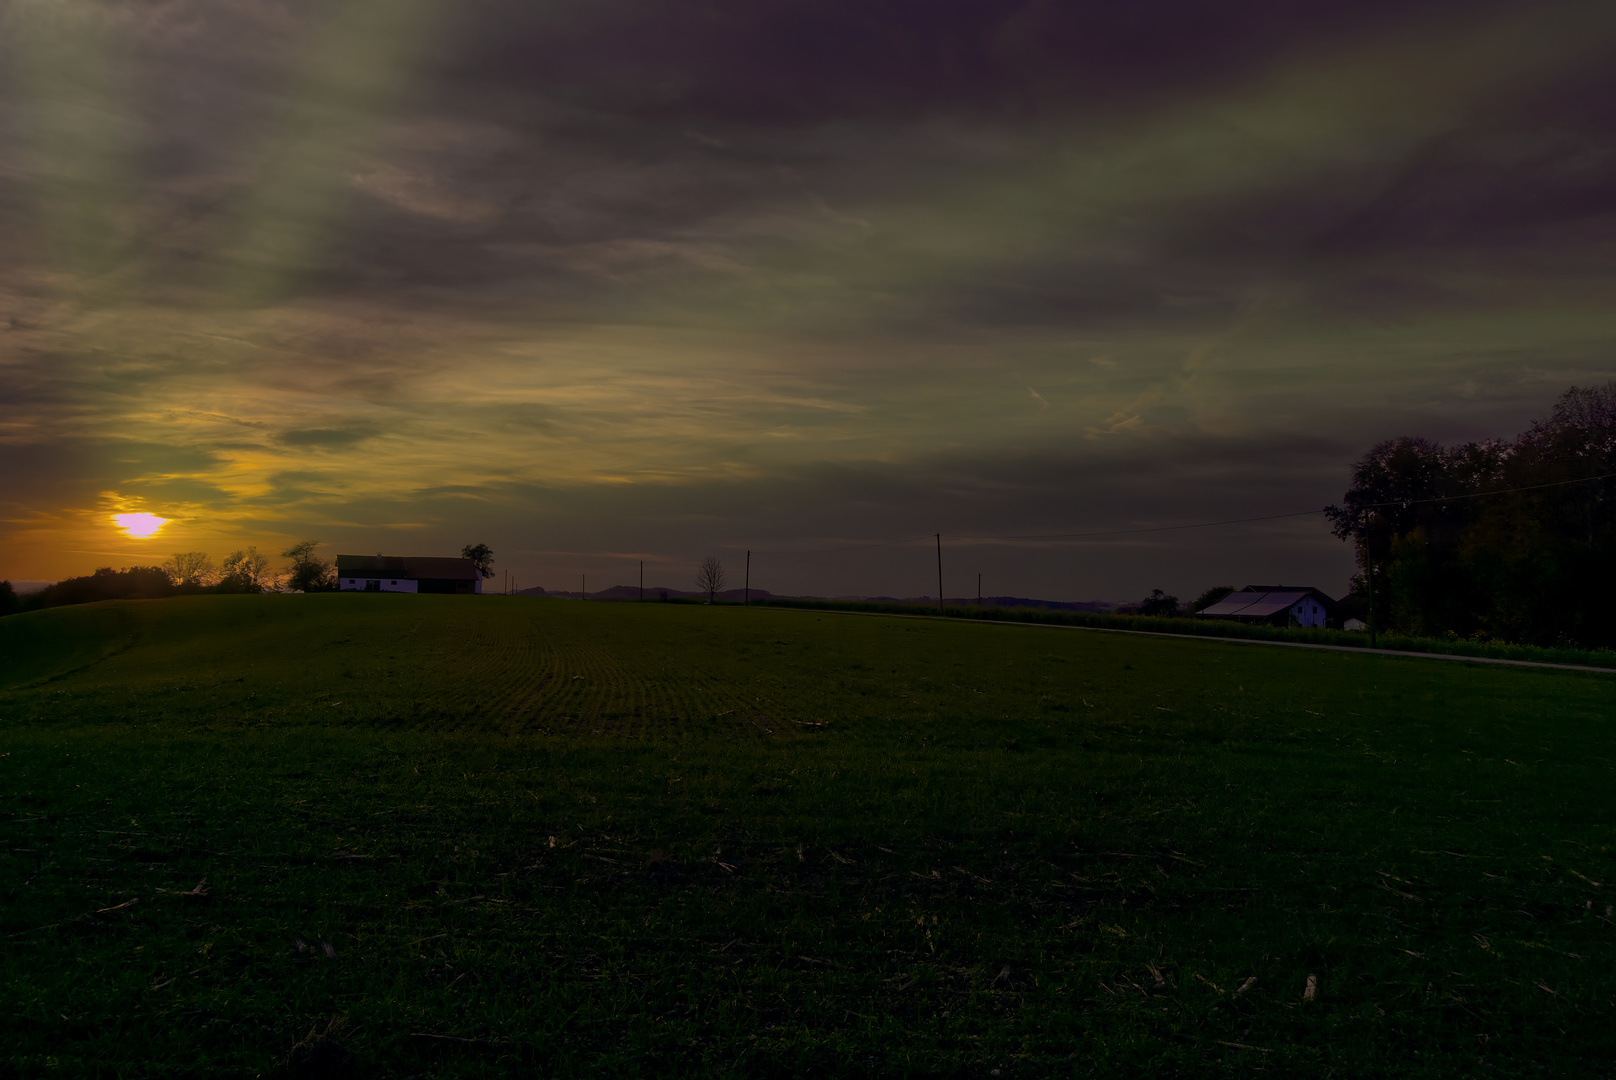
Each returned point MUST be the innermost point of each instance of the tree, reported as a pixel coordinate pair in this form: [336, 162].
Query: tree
[129, 583]
[1504, 540]
[246, 571]
[481, 556]
[710, 577]
[307, 571]
[1212, 596]
[1159, 603]
[9, 604]
[191, 569]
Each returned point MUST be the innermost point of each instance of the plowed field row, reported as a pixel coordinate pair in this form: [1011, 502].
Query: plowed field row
[516, 667]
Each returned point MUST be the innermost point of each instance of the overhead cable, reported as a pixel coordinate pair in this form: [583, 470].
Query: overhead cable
[1180, 528]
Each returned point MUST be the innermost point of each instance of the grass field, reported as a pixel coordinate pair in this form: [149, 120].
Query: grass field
[1194, 626]
[456, 836]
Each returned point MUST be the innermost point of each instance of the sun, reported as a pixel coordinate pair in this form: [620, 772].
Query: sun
[140, 525]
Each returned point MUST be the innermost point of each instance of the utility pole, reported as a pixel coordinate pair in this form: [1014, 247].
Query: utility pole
[583, 586]
[979, 589]
[940, 574]
[746, 594]
[642, 581]
[1369, 559]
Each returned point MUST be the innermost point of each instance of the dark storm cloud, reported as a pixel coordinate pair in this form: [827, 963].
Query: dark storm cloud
[296, 487]
[686, 275]
[801, 63]
[334, 438]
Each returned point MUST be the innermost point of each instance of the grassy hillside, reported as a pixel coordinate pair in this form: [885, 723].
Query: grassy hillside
[476, 835]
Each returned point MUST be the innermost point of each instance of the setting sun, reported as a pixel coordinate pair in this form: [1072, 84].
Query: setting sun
[140, 525]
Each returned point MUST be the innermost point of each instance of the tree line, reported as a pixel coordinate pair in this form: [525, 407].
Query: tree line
[1508, 540]
[246, 570]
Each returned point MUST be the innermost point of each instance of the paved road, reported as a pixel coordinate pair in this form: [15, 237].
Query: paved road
[1225, 640]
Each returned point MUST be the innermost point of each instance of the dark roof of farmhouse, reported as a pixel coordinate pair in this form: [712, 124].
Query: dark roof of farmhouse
[1262, 601]
[1280, 588]
[408, 567]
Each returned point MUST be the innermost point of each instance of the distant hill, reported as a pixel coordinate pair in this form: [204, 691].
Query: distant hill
[1095, 606]
[632, 592]
[661, 592]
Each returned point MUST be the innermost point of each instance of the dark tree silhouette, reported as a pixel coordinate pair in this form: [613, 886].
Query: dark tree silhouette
[130, 583]
[1159, 603]
[710, 577]
[481, 556]
[1210, 597]
[1504, 540]
[308, 571]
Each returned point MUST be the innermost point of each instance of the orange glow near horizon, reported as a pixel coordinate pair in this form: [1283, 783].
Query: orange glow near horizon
[140, 526]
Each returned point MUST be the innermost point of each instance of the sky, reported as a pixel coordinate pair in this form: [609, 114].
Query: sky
[597, 283]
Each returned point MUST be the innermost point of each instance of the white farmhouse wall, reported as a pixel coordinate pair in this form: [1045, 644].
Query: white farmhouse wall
[387, 584]
[1308, 612]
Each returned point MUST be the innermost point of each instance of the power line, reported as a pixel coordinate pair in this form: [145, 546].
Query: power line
[1132, 532]
[1194, 525]
[1298, 513]
[1483, 494]
[831, 551]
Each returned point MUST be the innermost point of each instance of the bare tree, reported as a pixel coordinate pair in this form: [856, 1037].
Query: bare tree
[246, 571]
[710, 577]
[191, 569]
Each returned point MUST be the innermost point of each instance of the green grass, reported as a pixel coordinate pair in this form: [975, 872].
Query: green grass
[1229, 628]
[555, 838]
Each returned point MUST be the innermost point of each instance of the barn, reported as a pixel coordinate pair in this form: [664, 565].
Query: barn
[1280, 605]
[407, 573]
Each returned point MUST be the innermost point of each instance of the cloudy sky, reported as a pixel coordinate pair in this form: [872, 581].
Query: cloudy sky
[620, 280]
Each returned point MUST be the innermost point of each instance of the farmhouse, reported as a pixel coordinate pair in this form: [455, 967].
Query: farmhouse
[1280, 605]
[394, 573]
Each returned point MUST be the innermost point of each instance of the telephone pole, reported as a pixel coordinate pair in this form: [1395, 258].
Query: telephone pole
[583, 586]
[940, 574]
[1369, 558]
[642, 581]
[979, 589]
[746, 593]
